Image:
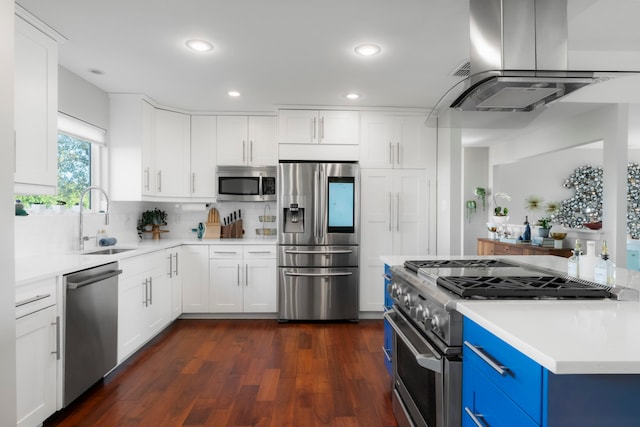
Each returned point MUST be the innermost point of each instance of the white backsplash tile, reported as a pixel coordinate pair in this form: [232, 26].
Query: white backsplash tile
[48, 232]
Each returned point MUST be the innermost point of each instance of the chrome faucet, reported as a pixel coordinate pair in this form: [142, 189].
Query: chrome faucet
[84, 238]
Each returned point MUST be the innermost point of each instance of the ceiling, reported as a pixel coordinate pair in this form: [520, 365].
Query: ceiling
[294, 52]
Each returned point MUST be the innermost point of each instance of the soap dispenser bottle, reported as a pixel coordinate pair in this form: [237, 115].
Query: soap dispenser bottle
[604, 271]
[573, 263]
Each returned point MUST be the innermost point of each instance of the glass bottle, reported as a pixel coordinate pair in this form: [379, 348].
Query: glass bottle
[604, 271]
[573, 263]
[526, 236]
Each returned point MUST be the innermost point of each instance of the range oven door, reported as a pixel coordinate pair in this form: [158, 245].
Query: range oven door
[427, 385]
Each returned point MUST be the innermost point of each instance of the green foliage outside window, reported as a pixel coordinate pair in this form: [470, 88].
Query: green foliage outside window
[74, 174]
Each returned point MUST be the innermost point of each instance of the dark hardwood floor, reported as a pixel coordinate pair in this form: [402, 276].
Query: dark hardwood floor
[245, 373]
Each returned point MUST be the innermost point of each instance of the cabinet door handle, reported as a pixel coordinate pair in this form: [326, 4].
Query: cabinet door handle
[398, 211]
[57, 325]
[251, 151]
[246, 274]
[176, 270]
[391, 153]
[146, 179]
[390, 211]
[193, 182]
[398, 153]
[146, 292]
[238, 278]
[479, 351]
[159, 181]
[244, 150]
[170, 273]
[150, 290]
[474, 417]
[321, 128]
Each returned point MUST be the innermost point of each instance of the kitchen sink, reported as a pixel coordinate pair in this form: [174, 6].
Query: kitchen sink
[110, 251]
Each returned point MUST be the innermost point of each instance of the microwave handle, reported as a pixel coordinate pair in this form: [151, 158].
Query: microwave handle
[260, 185]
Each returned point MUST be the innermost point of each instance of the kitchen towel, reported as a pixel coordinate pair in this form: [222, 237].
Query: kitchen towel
[107, 241]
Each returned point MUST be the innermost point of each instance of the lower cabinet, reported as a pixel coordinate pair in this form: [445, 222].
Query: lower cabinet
[194, 267]
[144, 301]
[37, 353]
[242, 278]
[174, 275]
[503, 387]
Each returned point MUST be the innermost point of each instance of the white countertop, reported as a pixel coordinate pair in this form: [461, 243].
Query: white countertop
[32, 268]
[565, 337]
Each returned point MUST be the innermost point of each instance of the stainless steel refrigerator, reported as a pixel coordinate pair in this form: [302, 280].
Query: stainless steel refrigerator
[319, 234]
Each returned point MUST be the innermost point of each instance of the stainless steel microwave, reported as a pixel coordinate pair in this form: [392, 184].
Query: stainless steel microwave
[246, 183]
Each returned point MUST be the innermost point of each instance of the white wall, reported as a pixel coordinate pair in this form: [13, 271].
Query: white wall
[8, 415]
[80, 99]
[476, 174]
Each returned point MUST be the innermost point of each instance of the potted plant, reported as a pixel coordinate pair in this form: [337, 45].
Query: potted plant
[154, 218]
[545, 225]
[500, 213]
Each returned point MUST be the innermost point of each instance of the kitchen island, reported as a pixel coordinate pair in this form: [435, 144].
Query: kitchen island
[549, 362]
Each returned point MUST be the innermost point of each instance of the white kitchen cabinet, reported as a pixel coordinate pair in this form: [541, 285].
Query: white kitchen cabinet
[194, 268]
[247, 141]
[36, 111]
[144, 301]
[173, 273]
[393, 141]
[37, 356]
[318, 127]
[171, 154]
[243, 278]
[203, 156]
[394, 220]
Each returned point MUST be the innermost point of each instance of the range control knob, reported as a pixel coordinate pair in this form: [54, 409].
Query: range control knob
[435, 323]
[394, 290]
[407, 301]
[420, 313]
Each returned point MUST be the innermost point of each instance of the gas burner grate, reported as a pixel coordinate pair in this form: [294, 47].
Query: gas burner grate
[456, 263]
[563, 287]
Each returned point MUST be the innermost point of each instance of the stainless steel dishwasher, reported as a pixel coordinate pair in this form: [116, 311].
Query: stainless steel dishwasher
[91, 327]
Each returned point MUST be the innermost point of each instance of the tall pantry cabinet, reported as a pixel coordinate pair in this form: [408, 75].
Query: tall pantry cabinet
[397, 160]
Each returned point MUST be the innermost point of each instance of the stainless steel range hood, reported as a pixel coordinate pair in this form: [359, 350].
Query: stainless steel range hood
[518, 56]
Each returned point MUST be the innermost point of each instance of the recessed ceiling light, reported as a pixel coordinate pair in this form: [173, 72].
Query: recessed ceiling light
[368, 49]
[352, 95]
[233, 93]
[199, 45]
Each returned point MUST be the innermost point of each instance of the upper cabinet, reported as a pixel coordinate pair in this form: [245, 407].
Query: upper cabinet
[154, 155]
[318, 127]
[203, 156]
[171, 154]
[36, 108]
[393, 141]
[246, 141]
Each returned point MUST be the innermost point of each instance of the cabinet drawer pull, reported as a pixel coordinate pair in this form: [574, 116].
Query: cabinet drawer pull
[479, 351]
[33, 299]
[474, 417]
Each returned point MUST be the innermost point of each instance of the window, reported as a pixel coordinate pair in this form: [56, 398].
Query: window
[79, 146]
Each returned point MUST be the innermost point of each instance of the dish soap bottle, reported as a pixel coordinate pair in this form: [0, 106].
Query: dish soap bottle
[573, 263]
[604, 271]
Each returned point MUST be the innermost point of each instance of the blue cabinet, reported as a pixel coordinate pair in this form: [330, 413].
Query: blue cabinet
[388, 303]
[503, 387]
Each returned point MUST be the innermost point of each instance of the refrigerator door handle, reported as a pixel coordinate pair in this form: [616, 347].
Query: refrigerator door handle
[316, 201]
[323, 206]
[345, 273]
[319, 252]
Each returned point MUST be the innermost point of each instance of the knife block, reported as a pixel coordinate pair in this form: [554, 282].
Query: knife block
[232, 231]
[212, 230]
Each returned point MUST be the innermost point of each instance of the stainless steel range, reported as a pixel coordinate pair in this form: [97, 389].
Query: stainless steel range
[427, 329]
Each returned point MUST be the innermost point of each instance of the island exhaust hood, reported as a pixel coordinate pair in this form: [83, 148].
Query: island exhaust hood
[518, 56]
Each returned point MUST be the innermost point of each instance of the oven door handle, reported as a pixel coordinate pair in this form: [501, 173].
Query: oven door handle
[427, 361]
